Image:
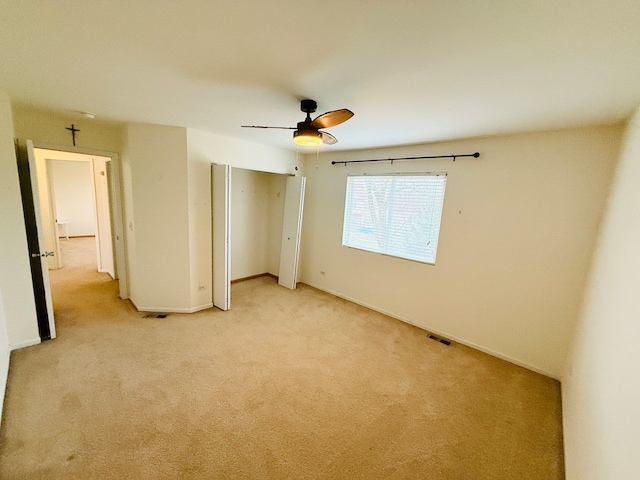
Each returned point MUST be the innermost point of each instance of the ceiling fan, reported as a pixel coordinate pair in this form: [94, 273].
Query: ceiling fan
[308, 132]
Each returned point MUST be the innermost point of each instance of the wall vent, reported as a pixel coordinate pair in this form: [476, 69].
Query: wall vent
[442, 340]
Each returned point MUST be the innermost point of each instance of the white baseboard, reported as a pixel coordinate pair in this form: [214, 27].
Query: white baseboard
[200, 308]
[142, 308]
[442, 334]
[4, 375]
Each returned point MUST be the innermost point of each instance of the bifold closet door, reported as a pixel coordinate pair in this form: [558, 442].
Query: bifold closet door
[291, 230]
[221, 209]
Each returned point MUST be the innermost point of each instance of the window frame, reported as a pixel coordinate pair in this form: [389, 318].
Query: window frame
[347, 215]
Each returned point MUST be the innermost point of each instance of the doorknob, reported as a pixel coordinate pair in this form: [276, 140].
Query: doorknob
[45, 254]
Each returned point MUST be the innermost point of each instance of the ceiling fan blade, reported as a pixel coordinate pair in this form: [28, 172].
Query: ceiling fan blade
[262, 126]
[328, 139]
[331, 119]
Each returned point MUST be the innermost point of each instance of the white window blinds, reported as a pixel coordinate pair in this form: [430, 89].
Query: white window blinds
[396, 215]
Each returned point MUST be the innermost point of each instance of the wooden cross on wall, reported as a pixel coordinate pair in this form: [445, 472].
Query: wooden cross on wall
[73, 131]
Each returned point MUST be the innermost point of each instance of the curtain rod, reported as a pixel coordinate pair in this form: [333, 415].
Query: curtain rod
[474, 155]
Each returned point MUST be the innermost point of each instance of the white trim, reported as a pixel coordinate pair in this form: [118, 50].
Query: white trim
[57, 259]
[118, 230]
[200, 308]
[443, 334]
[4, 376]
[26, 343]
[170, 309]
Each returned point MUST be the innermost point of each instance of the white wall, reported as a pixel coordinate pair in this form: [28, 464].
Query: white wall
[200, 233]
[205, 149]
[242, 154]
[48, 128]
[14, 243]
[155, 169]
[167, 202]
[249, 223]
[518, 230]
[257, 211]
[74, 197]
[601, 385]
[15, 273]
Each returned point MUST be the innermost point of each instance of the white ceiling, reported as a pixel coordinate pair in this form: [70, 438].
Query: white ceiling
[412, 71]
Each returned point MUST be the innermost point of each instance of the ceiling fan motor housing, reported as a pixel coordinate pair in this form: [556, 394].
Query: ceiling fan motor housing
[308, 106]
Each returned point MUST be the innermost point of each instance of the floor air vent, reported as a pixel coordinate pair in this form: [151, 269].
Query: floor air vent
[156, 315]
[440, 339]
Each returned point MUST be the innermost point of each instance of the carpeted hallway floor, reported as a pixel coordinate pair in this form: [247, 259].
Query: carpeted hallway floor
[286, 385]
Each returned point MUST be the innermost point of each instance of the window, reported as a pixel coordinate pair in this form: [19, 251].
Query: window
[396, 214]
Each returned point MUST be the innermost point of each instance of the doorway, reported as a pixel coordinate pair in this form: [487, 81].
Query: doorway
[256, 227]
[106, 203]
[79, 205]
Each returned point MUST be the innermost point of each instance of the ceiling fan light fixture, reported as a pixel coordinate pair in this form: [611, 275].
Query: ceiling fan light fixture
[307, 138]
[308, 133]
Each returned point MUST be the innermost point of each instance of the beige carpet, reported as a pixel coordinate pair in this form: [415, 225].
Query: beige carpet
[288, 384]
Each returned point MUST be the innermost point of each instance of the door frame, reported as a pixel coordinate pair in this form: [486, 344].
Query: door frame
[221, 194]
[57, 260]
[118, 231]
